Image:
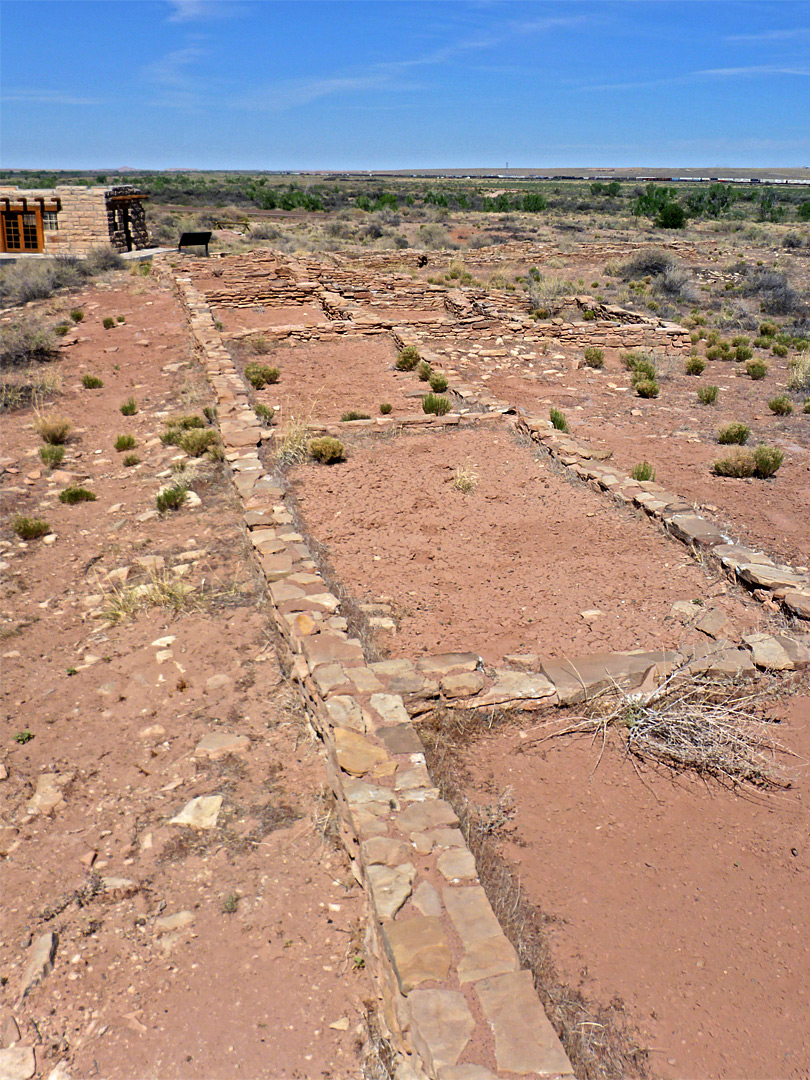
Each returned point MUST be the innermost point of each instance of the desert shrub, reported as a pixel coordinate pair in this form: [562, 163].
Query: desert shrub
[776, 295]
[171, 436]
[643, 471]
[29, 528]
[738, 340]
[768, 329]
[51, 454]
[762, 342]
[326, 449]
[767, 460]
[92, 382]
[594, 357]
[76, 314]
[196, 443]
[385, 408]
[742, 353]
[261, 375]
[424, 370]
[799, 378]
[53, 429]
[108, 322]
[129, 407]
[187, 422]
[61, 329]
[407, 359]
[438, 382]
[779, 349]
[76, 494]
[707, 395]
[171, 498]
[258, 345]
[736, 433]
[102, 258]
[695, 366]
[354, 415]
[120, 318]
[651, 263]
[435, 404]
[671, 216]
[26, 342]
[558, 420]
[757, 369]
[125, 442]
[739, 463]
[806, 406]
[264, 412]
[130, 460]
[781, 405]
[647, 388]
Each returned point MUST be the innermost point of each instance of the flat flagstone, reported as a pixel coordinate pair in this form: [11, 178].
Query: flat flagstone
[441, 1025]
[768, 653]
[199, 813]
[456, 863]
[220, 743]
[327, 647]
[693, 529]
[400, 739]
[471, 914]
[390, 708]
[525, 1041]
[385, 851]
[513, 686]
[426, 900]
[464, 685]
[426, 815]
[446, 663]
[798, 603]
[390, 887]
[420, 950]
[344, 711]
[465, 1072]
[355, 753]
[579, 677]
[487, 957]
[17, 1063]
[770, 577]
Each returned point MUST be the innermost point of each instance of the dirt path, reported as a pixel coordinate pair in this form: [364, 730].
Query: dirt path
[180, 951]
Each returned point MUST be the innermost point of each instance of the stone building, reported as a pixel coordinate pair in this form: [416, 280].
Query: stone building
[71, 220]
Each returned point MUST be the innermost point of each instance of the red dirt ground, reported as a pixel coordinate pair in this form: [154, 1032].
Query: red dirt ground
[116, 712]
[322, 380]
[507, 568]
[685, 900]
[677, 435]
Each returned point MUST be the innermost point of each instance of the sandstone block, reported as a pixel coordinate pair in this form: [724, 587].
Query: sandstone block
[525, 1041]
[441, 1026]
[419, 949]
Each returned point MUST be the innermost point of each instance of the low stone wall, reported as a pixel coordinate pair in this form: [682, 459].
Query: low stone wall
[447, 977]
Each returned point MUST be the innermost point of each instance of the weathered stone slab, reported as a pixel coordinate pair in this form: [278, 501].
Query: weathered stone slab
[728, 662]
[221, 743]
[327, 647]
[390, 887]
[419, 949]
[511, 687]
[420, 817]
[390, 708]
[400, 739]
[762, 576]
[578, 678]
[465, 1072]
[49, 794]
[798, 603]
[415, 777]
[441, 1026]
[455, 864]
[767, 653]
[199, 813]
[355, 753]
[385, 851]
[18, 1063]
[525, 1041]
[798, 652]
[487, 957]
[715, 623]
[344, 711]
[426, 900]
[471, 914]
[464, 685]
[331, 677]
[40, 962]
[693, 529]
[446, 663]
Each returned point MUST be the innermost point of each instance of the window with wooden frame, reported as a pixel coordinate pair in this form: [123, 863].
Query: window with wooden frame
[24, 221]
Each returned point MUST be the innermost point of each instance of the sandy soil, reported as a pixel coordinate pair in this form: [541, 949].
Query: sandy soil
[234, 319]
[686, 901]
[261, 960]
[511, 566]
[323, 380]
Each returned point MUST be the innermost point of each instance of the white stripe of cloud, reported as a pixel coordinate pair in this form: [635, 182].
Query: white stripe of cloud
[48, 97]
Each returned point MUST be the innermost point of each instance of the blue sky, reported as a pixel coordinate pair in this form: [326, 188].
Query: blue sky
[274, 84]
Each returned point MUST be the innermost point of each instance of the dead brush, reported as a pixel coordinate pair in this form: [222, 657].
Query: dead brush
[706, 728]
[465, 478]
[162, 589]
[292, 446]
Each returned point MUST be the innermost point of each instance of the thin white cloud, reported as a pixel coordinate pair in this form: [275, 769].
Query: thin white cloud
[173, 68]
[773, 35]
[386, 74]
[48, 97]
[750, 71]
[184, 11]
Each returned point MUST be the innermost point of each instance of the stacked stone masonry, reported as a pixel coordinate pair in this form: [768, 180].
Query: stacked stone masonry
[446, 974]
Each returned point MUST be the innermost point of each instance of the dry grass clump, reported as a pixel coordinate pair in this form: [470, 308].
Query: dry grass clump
[53, 429]
[30, 386]
[705, 728]
[465, 479]
[292, 446]
[407, 359]
[162, 589]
